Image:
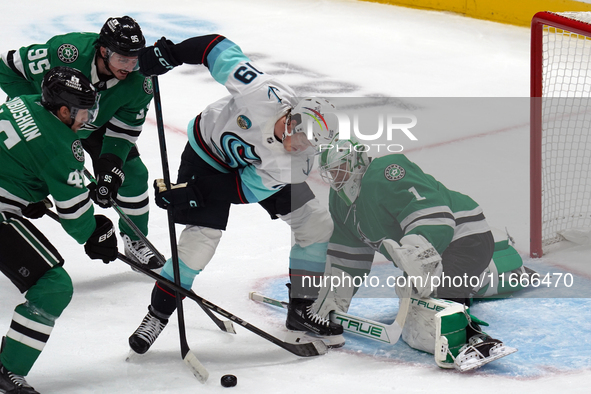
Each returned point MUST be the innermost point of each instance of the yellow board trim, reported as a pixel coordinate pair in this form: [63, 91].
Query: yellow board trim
[513, 12]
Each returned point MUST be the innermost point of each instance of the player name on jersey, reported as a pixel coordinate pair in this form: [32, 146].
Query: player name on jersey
[23, 119]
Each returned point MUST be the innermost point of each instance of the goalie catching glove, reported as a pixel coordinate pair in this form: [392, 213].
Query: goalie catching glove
[418, 259]
[179, 197]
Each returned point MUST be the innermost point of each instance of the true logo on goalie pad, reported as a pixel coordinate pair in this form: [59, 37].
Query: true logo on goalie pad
[361, 328]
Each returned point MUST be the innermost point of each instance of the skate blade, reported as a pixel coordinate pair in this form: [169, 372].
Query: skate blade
[331, 341]
[132, 356]
[474, 364]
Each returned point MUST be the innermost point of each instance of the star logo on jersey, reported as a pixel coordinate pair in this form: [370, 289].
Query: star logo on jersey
[394, 172]
[67, 53]
[78, 151]
[148, 88]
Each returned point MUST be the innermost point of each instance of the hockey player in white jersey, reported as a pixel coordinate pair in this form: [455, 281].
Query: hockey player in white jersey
[242, 149]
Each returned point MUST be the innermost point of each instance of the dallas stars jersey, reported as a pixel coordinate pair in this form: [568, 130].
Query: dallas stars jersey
[122, 104]
[235, 133]
[397, 198]
[39, 155]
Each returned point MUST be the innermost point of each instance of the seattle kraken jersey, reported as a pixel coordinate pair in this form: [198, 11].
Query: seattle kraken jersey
[122, 105]
[235, 133]
[397, 198]
[39, 155]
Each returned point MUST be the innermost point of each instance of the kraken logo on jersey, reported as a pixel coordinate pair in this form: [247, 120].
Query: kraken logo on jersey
[235, 152]
[148, 88]
[67, 53]
[78, 151]
[394, 172]
[243, 122]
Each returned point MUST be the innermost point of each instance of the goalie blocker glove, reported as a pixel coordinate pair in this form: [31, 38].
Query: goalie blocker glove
[102, 244]
[108, 180]
[180, 197]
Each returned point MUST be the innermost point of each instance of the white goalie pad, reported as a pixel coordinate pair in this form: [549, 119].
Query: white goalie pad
[418, 259]
[421, 330]
[441, 343]
[337, 298]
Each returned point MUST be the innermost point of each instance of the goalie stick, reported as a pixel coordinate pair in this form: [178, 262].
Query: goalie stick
[315, 348]
[223, 325]
[387, 333]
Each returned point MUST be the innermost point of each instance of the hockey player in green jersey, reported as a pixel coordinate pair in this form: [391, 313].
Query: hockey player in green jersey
[41, 155]
[390, 205]
[109, 60]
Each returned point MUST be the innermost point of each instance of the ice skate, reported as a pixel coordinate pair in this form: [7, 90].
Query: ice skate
[11, 383]
[145, 335]
[306, 326]
[480, 350]
[141, 254]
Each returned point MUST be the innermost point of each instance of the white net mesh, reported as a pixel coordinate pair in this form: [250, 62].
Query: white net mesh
[566, 125]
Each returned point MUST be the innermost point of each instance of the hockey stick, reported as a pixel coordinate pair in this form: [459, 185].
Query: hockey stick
[187, 355]
[316, 348]
[388, 333]
[223, 325]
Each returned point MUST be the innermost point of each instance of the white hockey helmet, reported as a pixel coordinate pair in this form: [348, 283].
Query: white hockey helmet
[312, 112]
[342, 165]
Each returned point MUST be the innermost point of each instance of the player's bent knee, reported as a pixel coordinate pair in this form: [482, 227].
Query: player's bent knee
[197, 245]
[53, 292]
[311, 223]
[136, 169]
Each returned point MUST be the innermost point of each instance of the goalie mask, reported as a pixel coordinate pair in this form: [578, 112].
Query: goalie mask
[342, 165]
[310, 115]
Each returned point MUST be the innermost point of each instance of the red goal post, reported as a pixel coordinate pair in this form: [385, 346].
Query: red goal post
[560, 151]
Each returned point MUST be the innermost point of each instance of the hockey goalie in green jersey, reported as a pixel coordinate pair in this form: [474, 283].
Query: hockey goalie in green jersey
[109, 60]
[433, 234]
[41, 155]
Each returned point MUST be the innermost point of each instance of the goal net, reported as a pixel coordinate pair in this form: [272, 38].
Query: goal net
[560, 156]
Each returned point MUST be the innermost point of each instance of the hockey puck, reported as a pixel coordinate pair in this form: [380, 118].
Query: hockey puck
[229, 380]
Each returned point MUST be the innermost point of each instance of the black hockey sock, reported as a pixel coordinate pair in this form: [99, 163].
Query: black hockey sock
[163, 300]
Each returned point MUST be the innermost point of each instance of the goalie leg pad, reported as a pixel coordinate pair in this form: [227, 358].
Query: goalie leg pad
[505, 262]
[432, 323]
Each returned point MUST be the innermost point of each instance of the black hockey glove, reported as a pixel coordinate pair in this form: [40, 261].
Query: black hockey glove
[109, 178]
[37, 209]
[157, 59]
[180, 197]
[102, 244]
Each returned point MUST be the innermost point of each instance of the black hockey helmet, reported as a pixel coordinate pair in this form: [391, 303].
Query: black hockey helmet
[122, 35]
[65, 86]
